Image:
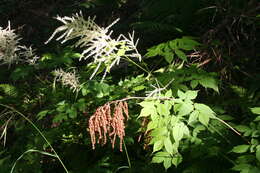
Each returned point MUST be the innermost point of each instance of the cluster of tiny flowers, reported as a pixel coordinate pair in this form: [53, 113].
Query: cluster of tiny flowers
[101, 123]
[67, 79]
[10, 50]
[8, 46]
[96, 41]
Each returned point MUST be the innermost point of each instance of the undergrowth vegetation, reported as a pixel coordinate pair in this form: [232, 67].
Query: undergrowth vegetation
[130, 86]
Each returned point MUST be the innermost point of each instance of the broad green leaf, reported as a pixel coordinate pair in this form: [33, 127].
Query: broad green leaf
[157, 145]
[167, 163]
[168, 145]
[193, 117]
[191, 94]
[152, 125]
[168, 93]
[178, 131]
[163, 109]
[145, 104]
[174, 120]
[209, 82]
[204, 118]
[176, 160]
[240, 148]
[255, 110]
[242, 167]
[157, 159]
[185, 108]
[181, 54]
[204, 109]
[147, 111]
[186, 130]
[162, 131]
[181, 94]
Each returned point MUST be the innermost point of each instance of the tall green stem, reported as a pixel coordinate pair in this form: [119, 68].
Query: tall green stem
[127, 156]
[38, 130]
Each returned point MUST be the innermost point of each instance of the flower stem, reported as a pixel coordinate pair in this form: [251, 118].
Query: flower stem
[127, 156]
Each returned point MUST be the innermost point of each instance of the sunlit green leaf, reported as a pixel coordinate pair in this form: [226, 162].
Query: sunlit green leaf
[168, 145]
[193, 117]
[176, 160]
[157, 145]
[185, 108]
[178, 131]
[167, 163]
[204, 118]
[191, 94]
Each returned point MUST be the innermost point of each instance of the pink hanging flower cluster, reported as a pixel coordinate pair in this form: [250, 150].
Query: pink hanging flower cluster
[103, 124]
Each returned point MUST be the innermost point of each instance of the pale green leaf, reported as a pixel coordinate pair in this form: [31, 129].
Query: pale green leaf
[204, 118]
[168, 145]
[240, 148]
[185, 108]
[162, 131]
[157, 145]
[191, 94]
[167, 163]
[147, 111]
[178, 131]
[168, 93]
[157, 159]
[163, 109]
[204, 109]
[193, 117]
[174, 120]
[152, 125]
[176, 160]
[146, 104]
[181, 94]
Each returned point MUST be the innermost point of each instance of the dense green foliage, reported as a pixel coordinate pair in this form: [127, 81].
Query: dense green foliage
[179, 94]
